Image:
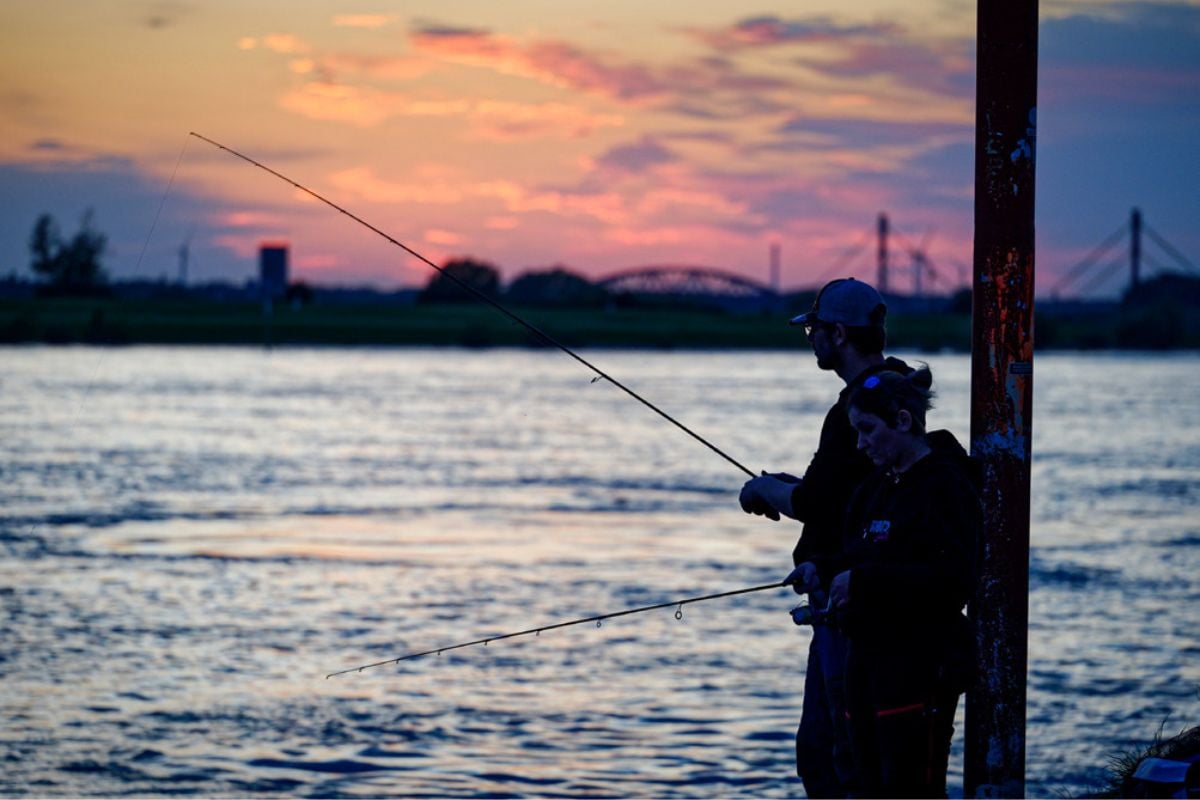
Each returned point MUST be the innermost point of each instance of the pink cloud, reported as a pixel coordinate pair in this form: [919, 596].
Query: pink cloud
[248, 219]
[319, 262]
[445, 238]
[495, 119]
[390, 68]
[363, 183]
[551, 62]
[637, 237]
[502, 223]
[607, 206]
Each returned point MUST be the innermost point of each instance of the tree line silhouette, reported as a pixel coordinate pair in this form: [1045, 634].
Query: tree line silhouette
[68, 266]
[555, 286]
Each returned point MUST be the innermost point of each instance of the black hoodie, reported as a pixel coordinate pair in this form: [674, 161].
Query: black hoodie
[910, 542]
[837, 468]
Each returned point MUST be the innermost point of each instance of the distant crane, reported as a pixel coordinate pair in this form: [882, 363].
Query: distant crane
[921, 264]
[925, 274]
[184, 256]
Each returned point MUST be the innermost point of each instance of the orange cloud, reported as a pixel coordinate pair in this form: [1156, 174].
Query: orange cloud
[285, 43]
[363, 107]
[485, 119]
[363, 20]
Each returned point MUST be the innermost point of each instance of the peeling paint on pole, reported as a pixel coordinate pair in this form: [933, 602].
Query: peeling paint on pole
[1002, 389]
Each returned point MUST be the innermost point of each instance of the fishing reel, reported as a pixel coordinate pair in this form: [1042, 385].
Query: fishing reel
[808, 614]
[816, 611]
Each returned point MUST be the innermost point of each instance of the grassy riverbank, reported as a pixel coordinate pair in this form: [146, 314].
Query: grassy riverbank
[196, 321]
[189, 321]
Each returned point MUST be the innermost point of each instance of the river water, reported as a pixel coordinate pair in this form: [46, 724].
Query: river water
[193, 538]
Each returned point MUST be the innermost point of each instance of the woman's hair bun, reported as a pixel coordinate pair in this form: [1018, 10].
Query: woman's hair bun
[921, 377]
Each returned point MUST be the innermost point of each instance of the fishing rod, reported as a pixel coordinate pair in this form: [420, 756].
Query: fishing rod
[678, 604]
[538, 332]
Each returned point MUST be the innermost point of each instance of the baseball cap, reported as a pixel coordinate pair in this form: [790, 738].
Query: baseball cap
[848, 301]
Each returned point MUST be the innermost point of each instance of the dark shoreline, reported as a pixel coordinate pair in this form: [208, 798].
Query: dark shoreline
[117, 321]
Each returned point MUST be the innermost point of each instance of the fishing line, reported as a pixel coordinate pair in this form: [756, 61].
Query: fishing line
[545, 337]
[162, 203]
[677, 604]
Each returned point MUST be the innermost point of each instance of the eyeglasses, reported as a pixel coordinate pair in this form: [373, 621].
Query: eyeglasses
[871, 382]
[812, 326]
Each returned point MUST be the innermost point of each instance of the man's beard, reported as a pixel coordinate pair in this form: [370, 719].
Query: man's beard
[828, 360]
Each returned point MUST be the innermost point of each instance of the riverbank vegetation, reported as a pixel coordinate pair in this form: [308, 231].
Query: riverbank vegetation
[192, 321]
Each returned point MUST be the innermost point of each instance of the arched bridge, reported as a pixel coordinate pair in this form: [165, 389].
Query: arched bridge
[697, 284]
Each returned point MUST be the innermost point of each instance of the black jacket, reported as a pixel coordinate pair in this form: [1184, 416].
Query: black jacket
[836, 469]
[910, 545]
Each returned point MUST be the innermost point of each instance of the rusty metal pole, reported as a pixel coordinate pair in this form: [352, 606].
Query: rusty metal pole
[1002, 388]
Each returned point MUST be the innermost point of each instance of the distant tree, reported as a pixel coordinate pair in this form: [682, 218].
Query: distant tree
[1181, 290]
[44, 246]
[71, 267]
[960, 302]
[556, 286]
[1160, 313]
[298, 294]
[479, 275]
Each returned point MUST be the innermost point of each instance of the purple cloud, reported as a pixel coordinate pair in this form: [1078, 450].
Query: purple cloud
[638, 157]
[1135, 53]
[869, 133]
[772, 31]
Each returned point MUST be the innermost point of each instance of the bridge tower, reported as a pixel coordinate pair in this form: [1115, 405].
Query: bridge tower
[881, 281]
[1135, 247]
[775, 267]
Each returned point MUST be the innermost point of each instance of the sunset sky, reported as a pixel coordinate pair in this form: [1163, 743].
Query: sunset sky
[599, 136]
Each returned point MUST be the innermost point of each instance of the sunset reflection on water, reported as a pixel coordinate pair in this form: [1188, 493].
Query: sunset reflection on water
[196, 537]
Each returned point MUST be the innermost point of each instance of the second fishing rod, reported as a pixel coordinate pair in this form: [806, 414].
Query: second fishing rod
[482, 296]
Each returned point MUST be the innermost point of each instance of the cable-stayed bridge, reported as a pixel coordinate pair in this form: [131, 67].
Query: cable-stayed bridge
[1124, 249]
[1135, 246]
